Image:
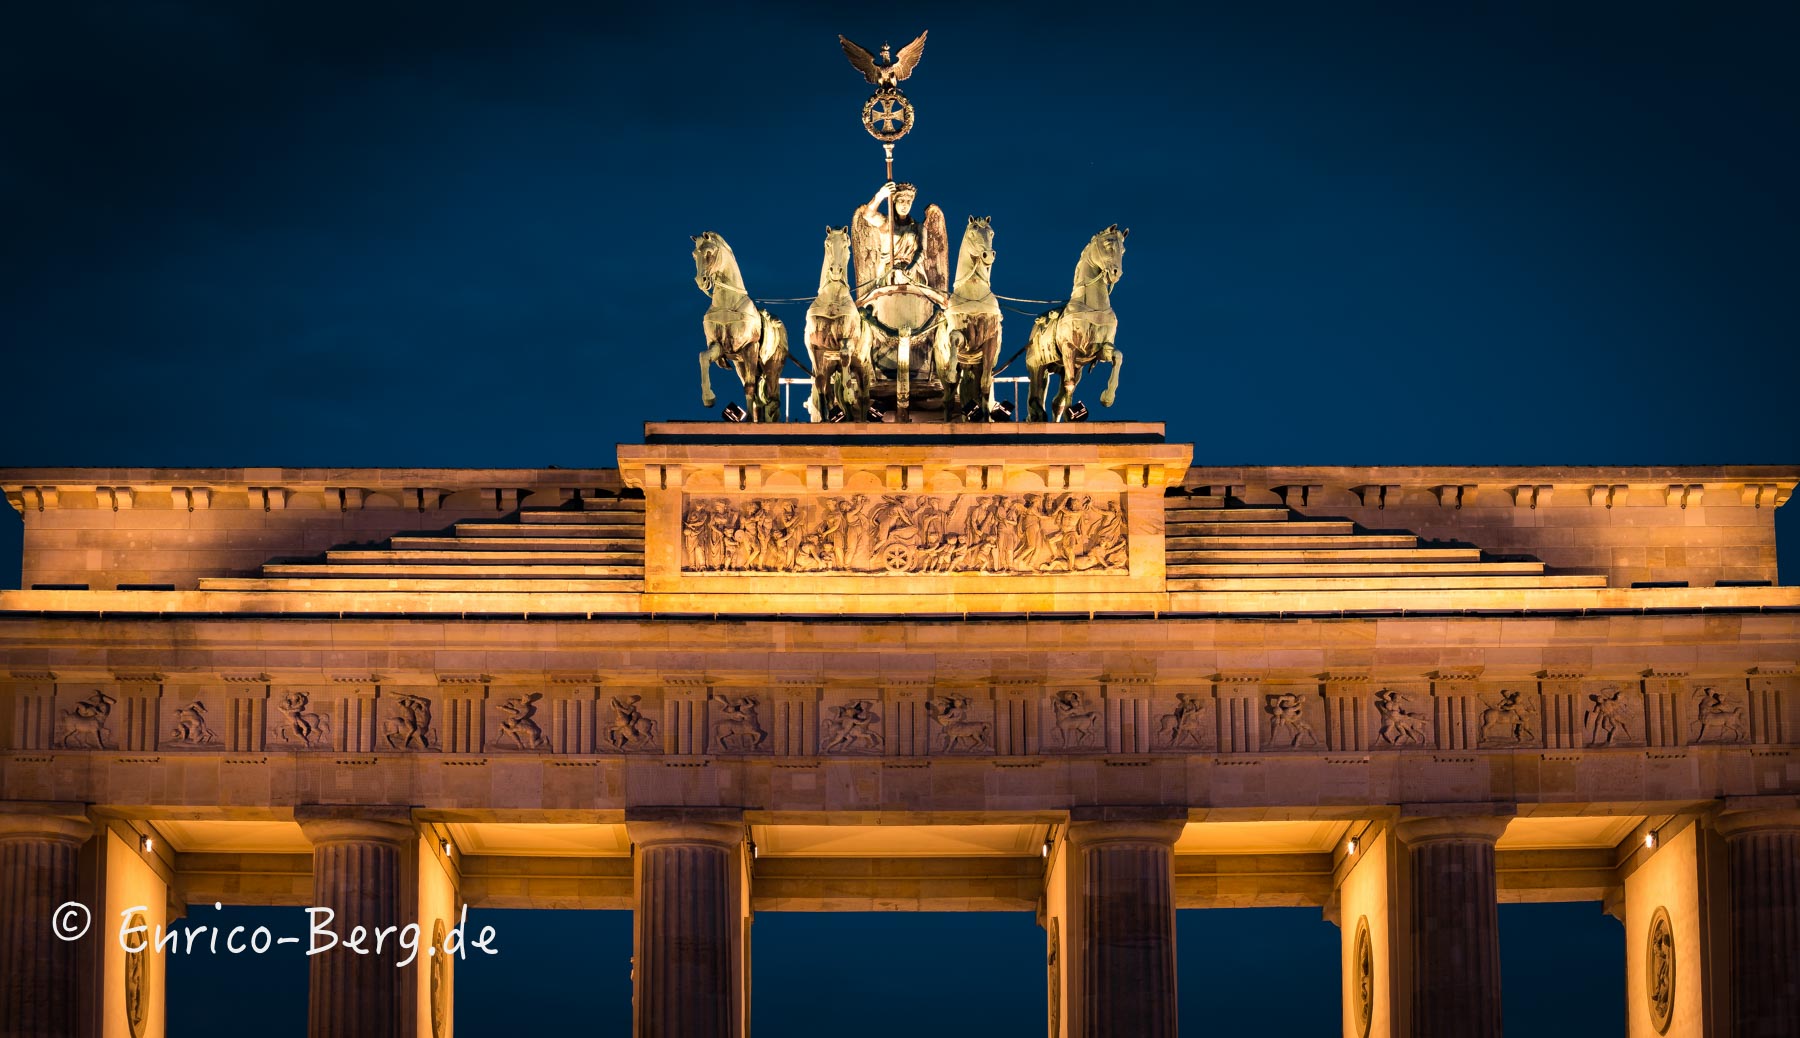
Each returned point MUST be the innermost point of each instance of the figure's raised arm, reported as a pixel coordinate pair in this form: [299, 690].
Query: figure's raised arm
[871, 213]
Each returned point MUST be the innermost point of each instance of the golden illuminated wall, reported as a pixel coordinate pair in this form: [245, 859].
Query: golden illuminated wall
[1670, 879]
[1365, 893]
[129, 883]
[437, 901]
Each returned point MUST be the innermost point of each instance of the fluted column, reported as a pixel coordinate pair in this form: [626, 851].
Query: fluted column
[38, 972]
[1454, 925]
[357, 873]
[688, 926]
[1122, 939]
[1762, 849]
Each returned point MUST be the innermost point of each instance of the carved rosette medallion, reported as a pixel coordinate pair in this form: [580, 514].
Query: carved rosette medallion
[137, 988]
[1659, 968]
[440, 983]
[856, 534]
[1364, 963]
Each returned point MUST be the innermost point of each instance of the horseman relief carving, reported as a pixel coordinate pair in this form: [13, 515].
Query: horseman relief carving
[957, 732]
[630, 729]
[1715, 718]
[1509, 721]
[1076, 722]
[852, 728]
[906, 533]
[521, 722]
[300, 723]
[191, 728]
[735, 727]
[83, 726]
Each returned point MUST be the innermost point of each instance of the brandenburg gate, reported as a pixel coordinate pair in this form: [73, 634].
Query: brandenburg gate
[932, 662]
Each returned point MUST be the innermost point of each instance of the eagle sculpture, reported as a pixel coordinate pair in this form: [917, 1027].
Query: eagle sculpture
[887, 70]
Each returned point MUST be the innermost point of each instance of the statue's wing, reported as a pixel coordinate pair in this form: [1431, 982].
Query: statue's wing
[865, 250]
[864, 61]
[936, 261]
[907, 58]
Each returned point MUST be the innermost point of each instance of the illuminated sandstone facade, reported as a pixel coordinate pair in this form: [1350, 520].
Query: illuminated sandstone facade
[1056, 669]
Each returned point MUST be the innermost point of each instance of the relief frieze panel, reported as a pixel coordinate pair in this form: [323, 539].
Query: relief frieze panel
[998, 534]
[853, 728]
[1187, 724]
[1404, 719]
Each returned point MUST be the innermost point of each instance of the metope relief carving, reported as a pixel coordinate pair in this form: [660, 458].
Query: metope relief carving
[957, 731]
[1076, 723]
[851, 728]
[440, 983]
[1659, 966]
[1400, 724]
[191, 728]
[735, 728]
[1185, 726]
[1288, 726]
[629, 728]
[1509, 720]
[905, 533]
[411, 730]
[1716, 719]
[83, 726]
[137, 987]
[1608, 717]
[300, 723]
[521, 722]
[1365, 978]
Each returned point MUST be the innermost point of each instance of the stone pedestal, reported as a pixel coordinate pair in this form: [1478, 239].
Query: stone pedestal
[39, 976]
[688, 935]
[360, 869]
[1454, 925]
[1121, 927]
[1763, 858]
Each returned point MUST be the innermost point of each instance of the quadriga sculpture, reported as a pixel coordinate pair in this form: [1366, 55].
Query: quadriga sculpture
[969, 337]
[1069, 340]
[837, 338]
[738, 335]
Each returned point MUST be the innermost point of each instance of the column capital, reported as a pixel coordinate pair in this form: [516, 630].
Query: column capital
[63, 822]
[1090, 825]
[1734, 821]
[1485, 828]
[342, 823]
[718, 826]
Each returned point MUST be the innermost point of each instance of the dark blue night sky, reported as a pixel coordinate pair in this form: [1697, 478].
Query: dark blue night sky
[457, 234]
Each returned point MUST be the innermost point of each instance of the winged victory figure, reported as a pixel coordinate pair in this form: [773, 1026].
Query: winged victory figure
[887, 70]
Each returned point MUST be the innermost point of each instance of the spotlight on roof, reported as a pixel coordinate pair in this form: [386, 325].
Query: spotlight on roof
[875, 413]
[837, 415]
[734, 413]
[1078, 413]
[1002, 412]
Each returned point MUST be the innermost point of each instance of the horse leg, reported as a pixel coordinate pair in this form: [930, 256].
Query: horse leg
[1112, 380]
[1040, 389]
[986, 388]
[707, 357]
[948, 372]
[746, 366]
[1071, 377]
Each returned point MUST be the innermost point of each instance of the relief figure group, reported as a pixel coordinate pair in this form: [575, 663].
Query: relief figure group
[905, 533]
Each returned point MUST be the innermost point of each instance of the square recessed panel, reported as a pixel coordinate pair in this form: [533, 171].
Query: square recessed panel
[898, 841]
[189, 836]
[1566, 832]
[1290, 837]
[540, 840]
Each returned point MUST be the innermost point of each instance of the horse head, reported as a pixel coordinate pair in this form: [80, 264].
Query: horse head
[978, 240]
[1106, 253]
[712, 257]
[837, 256]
